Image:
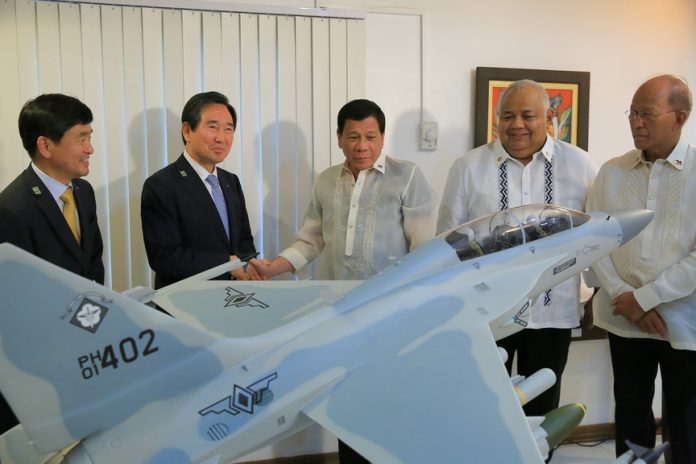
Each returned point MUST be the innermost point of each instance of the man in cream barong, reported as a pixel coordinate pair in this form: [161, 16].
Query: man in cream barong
[647, 299]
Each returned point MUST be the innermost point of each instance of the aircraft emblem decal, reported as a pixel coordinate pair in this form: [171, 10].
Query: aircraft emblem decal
[243, 399]
[239, 299]
[482, 287]
[519, 317]
[587, 249]
[89, 315]
[564, 266]
[218, 431]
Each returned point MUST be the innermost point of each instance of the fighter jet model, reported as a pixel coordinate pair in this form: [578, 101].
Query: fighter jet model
[403, 366]
[637, 454]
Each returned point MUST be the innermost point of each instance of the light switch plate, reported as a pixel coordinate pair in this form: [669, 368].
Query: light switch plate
[428, 136]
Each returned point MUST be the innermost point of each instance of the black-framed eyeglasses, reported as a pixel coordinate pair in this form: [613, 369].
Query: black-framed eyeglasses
[644, 115]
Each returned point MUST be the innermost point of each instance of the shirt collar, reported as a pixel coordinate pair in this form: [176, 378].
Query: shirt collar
[675, 158]
[501, 155]
[200, 170]
[638, 159]
[380, 164]
[55, 187]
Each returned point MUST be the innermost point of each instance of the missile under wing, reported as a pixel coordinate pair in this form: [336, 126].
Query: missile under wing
[402, 366]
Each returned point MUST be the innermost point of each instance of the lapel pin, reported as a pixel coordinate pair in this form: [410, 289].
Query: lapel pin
[182, 173]
[36, 190]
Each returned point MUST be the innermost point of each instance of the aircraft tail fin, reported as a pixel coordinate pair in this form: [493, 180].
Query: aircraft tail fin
[76, 357]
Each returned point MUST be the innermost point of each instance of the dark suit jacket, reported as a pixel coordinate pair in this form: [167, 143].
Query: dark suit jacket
[182, 229]
[31, 219]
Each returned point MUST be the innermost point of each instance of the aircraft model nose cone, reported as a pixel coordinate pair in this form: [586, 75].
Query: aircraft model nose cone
[632, 222]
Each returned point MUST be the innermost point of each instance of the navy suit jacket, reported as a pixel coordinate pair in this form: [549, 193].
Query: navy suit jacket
[182, 229]
[31, 219]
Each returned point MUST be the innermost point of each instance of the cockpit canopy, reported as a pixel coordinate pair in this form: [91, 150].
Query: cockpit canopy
[511, 227]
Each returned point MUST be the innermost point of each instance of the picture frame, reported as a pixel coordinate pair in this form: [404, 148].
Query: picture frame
[569, 92]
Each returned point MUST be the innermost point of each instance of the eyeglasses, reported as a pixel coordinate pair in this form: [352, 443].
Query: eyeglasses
[644, 115]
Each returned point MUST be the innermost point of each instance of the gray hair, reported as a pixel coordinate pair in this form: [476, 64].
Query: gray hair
[680, 97]
[518, 85]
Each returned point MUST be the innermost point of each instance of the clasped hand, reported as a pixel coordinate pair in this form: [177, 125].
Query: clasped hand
[647, 321]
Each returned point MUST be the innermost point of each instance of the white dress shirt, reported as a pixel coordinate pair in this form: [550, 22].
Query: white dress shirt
[202, 173]
[363, 225]
[488, 179]
[659, 264]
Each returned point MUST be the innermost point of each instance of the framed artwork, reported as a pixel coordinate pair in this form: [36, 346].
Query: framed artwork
[569, 92]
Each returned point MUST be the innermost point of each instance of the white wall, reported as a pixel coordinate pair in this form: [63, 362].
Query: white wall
[620, 42]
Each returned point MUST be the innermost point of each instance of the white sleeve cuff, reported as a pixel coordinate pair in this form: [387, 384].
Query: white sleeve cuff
[646, 297]
[295, 258]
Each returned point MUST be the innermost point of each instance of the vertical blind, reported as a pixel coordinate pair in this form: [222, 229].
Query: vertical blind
[135, 67]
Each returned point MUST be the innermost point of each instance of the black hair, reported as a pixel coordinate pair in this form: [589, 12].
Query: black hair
[194, 107]
[50, 115]
[357, 110]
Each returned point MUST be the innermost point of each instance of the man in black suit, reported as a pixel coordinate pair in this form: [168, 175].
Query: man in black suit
[193, 213]
[48, 210]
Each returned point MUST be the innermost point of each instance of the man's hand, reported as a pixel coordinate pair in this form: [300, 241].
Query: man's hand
[239, 274]
[252, 273]
[248, 272]
[268, 269]
[626, 305]
[652, 323]
[256, 269]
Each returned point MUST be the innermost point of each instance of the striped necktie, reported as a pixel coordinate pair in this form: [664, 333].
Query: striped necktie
[70, 212]
[219, 201]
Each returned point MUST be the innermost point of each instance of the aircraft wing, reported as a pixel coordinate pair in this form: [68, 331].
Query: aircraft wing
[450, 386]
[245, 309]
[435, 389]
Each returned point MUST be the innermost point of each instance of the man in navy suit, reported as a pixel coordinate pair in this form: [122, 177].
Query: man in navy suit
[193, 213]
[48, 210]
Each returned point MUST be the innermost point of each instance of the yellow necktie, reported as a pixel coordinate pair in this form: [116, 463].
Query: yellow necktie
[69, 211]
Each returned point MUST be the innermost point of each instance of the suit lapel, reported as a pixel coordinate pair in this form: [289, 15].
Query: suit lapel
[194, 186]
[50, 210]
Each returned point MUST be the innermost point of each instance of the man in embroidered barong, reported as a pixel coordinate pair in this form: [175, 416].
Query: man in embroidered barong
[525, 165]
[366, 212]
[647, 299]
